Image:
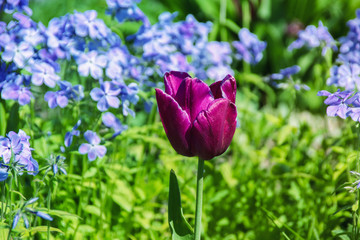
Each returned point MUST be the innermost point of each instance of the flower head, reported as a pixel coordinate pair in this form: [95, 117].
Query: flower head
[93, 149]
[198, 120]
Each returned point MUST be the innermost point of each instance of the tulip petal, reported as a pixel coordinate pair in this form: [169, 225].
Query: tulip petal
[214, 129]
[193, 96]
[175, 121]
[173, 80]
[225, 88]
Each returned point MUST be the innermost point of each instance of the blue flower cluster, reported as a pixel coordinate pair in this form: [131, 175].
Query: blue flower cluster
[25, 210]
[9, 6]
[37, 57]
[126, 11]
[286, 74]
[342, 103]
[15, 153]
[346, 74]
[249, 47]
[314, 37]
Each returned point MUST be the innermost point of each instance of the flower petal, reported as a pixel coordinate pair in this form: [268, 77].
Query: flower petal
[225, 88]
[176, 122]
[173, 80]
[84, 148]
[214, 129]
[193, 96]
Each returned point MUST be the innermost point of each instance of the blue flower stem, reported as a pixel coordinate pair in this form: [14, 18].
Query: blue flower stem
[199, 198]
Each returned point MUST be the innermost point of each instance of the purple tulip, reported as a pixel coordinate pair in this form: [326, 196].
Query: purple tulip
[198, 120]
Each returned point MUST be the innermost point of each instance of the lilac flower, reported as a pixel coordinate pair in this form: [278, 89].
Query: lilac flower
[17, 93]
[93, 149]
[9, 146]
[55, 99]
[69, 135]
[86, 24]
[91, 63]
[15, 149]
[345, 75]
[249, 47]
[314, 37]
[126, 10]
[337, 103]
[113, 122]
[71, 92]
[19, 54]
[44, 73]
[106, 96]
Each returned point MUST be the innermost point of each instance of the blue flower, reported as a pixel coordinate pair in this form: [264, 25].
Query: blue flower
[126, 11]
[55, 99]
[3, 174]
[249, 47]
[338, 105]
[345, 75]
[314, 37]
[86, 24]
[93, 149]
[106, 96]
[113, 122]
[91, 63]
[17, 93]
[19, 54]
[44, 73]
[69, 135]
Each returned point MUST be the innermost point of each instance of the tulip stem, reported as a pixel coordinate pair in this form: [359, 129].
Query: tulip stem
[199, 199]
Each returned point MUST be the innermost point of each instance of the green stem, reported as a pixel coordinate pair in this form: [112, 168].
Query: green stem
[48, 207]
[2, 199]
[199, 199]
[9, 234]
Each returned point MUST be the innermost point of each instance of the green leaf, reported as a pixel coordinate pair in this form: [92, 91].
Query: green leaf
[180, 228]
[13, 122]
[2, 120]
[43, 229]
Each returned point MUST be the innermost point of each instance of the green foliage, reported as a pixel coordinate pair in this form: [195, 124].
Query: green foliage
[282, 177]
[180, 228]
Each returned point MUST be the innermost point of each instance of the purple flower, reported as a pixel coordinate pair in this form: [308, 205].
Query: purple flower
[345, 75]
[17, 93]
[314, 37]
[44, 73]
[113, 122]
[86, 24]
[249, 47]
[19, 54]
[55, 99]
[15, 149]
[106, 96]
[93, 149]
[337, 103]
[198, 120]
[69, 135]
[91, 63]
[126, 10]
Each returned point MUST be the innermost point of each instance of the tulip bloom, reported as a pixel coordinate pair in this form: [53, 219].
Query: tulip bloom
[198, 120]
